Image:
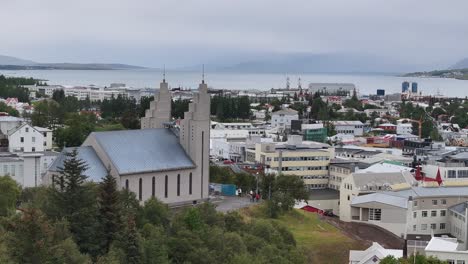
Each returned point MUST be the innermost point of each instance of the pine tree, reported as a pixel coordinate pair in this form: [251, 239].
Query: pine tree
[131, 243]
[76, 203]
[109, 211]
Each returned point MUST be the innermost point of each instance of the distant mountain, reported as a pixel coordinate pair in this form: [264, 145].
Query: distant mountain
[460, 74]
[12, 63]
[463, 64]
[317, 63]
[8, 60]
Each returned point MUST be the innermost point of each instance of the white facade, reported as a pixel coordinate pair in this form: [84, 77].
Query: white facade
[282, 119]
[25, 138]
[404, 129]
[47, 133]
[355, 128]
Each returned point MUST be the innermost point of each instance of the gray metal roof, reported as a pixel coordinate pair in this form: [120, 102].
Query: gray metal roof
[374, 178]
[96, 170]
[459, 208]
[383, 198]
[143, 150]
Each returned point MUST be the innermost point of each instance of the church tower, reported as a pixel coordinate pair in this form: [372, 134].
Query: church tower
[160, 109]
[194, 134]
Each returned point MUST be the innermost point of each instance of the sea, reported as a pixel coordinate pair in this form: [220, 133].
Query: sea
[150, 78]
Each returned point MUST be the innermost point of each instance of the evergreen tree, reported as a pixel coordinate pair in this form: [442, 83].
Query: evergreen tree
[9, 192]
[109, 211]
[76, 203]
[131, 243]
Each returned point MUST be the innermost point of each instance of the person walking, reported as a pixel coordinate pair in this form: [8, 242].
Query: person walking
[251, 196]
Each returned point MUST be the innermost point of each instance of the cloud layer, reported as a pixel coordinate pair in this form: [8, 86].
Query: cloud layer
[185, 32]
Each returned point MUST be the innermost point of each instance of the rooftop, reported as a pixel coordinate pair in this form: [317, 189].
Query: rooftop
[143, 150]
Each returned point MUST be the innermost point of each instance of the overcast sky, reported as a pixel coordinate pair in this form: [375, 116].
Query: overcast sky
[187, 32]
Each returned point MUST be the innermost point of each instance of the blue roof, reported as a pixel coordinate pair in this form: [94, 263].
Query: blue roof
[143, 150]
[96, 170]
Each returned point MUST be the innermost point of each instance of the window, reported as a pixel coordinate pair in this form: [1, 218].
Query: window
[442, 212]
[45, 143]
[442, 226]
[434, 202]
[451, 173]
[433, 226]
[348, 197]
[424, 227]
[415, 214]
[166, 183]
[375, 214]
[443, 201]
[27, 129]
[140, 189]
[153, 186]
[414, 227]
[178, 184]
[12, 168]
[33, 139]
[126, 185]
[415, 203]
[424, 213]
[22, 139]
[433, 213]
[33, 149]
[190, 184]
[460, 262]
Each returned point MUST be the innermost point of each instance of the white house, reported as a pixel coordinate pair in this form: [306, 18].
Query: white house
[47, 133]
[25, 138]
[373, 255]
[282, 119]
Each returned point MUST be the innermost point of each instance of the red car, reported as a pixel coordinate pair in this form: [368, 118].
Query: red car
[228, 162]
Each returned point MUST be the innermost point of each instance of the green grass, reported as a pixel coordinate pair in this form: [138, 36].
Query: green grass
[320, 241]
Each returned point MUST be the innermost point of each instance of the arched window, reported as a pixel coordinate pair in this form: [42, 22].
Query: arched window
[153, 187]
[190, 184]
[165, 186]
[140, 189]
[126, 184]
[178, 184]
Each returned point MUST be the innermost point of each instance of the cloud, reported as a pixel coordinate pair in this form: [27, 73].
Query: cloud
[187, 31]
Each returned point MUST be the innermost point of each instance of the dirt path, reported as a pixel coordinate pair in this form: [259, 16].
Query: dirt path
[367, 233]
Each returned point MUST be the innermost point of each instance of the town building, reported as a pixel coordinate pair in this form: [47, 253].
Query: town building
[282, 119]
[355, 128]
[308, 160]
[160, 160]
[26, 138]
[447, 249]
[404, 129]
[314, 132]
[342, 89]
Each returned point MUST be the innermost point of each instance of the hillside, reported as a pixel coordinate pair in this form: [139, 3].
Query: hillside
[8, 60]
[462, 64]
[459, 74]
[13, 63]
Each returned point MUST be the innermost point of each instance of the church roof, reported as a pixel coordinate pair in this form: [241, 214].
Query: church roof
[96, 170]
[143, 150]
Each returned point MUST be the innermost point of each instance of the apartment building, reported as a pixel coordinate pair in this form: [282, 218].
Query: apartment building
[308, 160]
[453, 169]
[282, 119]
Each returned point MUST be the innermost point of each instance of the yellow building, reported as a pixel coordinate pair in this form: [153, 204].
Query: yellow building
[308, 160]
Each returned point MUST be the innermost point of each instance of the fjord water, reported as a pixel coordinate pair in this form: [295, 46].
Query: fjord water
[366, 83]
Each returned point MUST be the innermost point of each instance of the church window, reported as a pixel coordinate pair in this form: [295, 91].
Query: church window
[190, 183]
[140, 187]
[153, 187]
[165, 186]
[126, 184]
[178, 184]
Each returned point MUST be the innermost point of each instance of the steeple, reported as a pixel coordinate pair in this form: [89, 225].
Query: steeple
[160, 109]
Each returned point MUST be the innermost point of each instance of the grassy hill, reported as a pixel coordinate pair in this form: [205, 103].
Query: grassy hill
[460, 74]
[320, 241]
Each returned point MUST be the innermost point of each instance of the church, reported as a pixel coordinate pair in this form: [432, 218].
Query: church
[159, 160]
